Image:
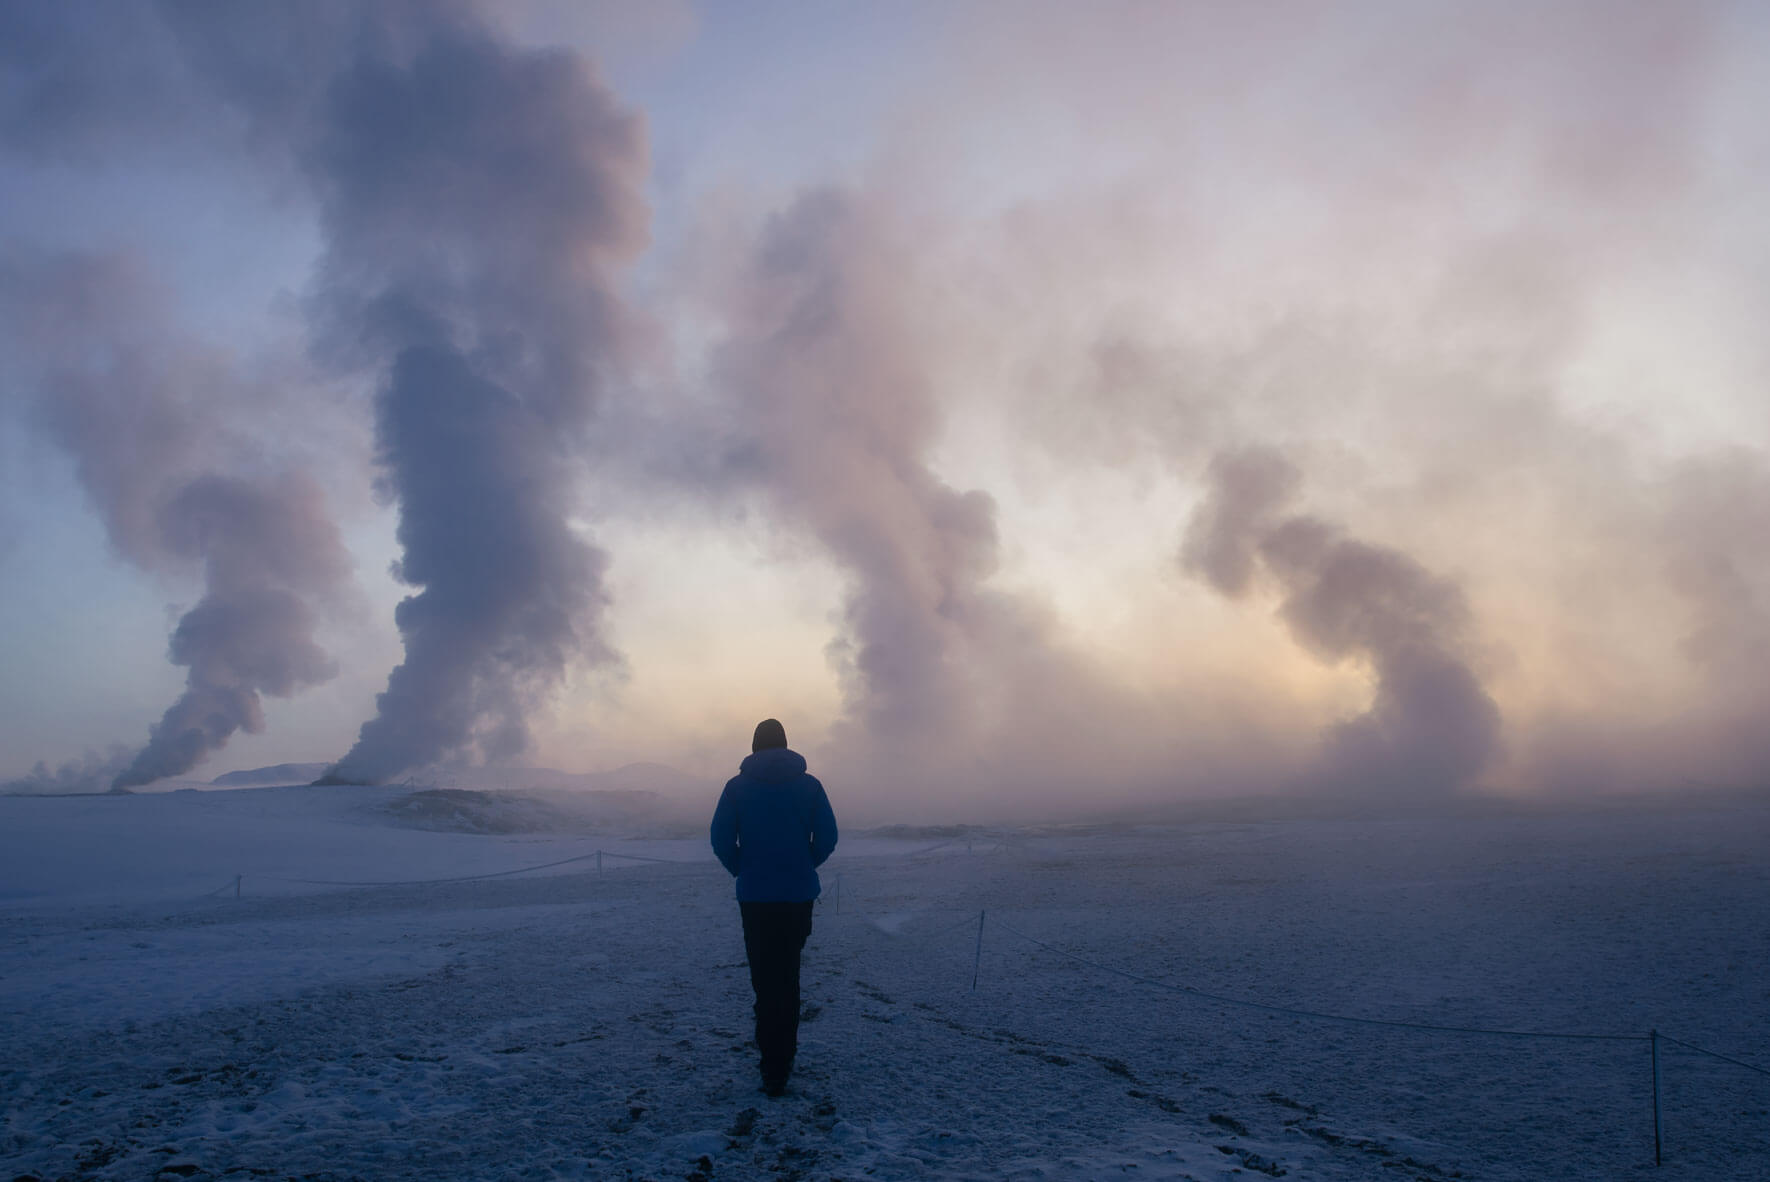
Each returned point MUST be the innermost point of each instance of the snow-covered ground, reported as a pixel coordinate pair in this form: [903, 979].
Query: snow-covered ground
[571, 1023]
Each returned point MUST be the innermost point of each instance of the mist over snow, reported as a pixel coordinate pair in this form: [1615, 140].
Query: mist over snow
[1045, 410]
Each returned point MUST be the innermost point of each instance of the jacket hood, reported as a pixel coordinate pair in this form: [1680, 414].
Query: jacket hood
[773, 763]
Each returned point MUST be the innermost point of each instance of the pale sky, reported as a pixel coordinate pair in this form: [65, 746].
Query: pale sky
[1125, 400]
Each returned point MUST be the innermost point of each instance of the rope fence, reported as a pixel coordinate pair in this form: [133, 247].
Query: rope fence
[235, 883]
[434, 881]
[1678, 1042]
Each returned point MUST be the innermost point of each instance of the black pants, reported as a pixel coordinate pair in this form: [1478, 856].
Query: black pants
[774, 935]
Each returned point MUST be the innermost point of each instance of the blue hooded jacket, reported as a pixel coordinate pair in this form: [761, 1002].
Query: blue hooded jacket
[773, 828]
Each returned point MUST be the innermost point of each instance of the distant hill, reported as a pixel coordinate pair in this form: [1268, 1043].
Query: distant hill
[641, 798]
[654, 777]
[634, 777]
[262, 777]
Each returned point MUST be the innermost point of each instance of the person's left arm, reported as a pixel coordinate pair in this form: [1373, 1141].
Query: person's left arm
[724, 832]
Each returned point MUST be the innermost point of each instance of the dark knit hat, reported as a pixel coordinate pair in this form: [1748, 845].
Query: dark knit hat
[769, 733]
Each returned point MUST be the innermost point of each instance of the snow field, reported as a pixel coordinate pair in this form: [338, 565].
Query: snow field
[582, 1026]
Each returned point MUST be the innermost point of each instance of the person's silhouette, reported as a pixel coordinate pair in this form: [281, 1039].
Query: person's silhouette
[772, 828]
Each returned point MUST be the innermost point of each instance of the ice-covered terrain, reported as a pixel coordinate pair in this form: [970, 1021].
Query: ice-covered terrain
[577, 1022]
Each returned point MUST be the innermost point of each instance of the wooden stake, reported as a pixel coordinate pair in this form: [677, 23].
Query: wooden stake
[977, 962]
[1653, 1041]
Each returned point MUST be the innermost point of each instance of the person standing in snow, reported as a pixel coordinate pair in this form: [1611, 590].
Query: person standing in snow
[772, 829]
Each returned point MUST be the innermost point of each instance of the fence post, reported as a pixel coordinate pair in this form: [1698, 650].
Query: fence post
[1653, 1041]
[977, 961]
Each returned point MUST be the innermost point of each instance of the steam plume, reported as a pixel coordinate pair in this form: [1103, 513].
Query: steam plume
[837, 414]
[1717, 518]
[507, 585]
[475, 198]
[1431, 724]
[267, 550]
[142, 411]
